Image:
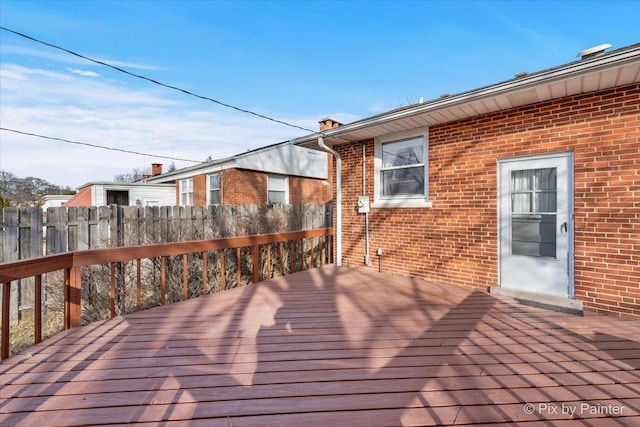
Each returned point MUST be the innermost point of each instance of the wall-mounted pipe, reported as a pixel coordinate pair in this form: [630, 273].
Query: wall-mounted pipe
[338, 232]
[367, 258]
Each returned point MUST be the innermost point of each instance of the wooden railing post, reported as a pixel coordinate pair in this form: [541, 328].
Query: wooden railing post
[256, 263]
[66, 292]
[37, 309]
[76, 296]
[72, 297]
[163, 279]
[223, 273]
[112, 291]
[238, 267]
[138, 284]
[6, 294]
[268, 262]
[205, 273]
[185, 277]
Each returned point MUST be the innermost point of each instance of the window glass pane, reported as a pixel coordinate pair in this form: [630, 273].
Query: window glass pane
[521, 202]
[277, 183]
[214, 197]
[533, 235]
[545, 179]
[186, 192]
[521, 180]
[403, 181]
[275, 197]
[544, 201]
[533, 190]
[403, 153]
[214, 182]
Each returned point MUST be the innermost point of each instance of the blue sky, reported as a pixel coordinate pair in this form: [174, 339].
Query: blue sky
[297, 61]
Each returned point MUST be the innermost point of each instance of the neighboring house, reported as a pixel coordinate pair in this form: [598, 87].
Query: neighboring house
[529, 187]
[124, 194]
[280, 173]
[54, 201]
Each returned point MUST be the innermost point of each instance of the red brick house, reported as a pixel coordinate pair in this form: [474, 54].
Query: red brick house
[280, 173]
[529, 187]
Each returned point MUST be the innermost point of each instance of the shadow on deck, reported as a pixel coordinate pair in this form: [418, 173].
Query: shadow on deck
[331, 346]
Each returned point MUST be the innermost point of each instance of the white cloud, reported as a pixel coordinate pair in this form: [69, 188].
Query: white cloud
[19, 72]
[97, 111]
[84, 72]
[63, 57]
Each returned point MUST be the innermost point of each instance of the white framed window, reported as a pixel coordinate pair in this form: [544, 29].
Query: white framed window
[213, 189]
[186, 192]
[401, 169]
[277, 189]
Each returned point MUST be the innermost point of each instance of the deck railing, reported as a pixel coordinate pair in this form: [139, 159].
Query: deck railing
[72, 262]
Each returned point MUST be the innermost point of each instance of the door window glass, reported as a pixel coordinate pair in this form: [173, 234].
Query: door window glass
[533, 212]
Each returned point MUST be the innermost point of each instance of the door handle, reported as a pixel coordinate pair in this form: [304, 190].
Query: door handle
[564, 226]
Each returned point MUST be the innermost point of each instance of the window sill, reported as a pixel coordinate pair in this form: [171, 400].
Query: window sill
[401, 204]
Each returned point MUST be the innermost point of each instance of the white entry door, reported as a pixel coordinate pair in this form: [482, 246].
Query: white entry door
[535, 214]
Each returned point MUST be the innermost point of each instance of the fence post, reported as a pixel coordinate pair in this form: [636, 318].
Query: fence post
[103, 226]
[82, 229]
[72, 229]
[56, 230]
[92, 228]
[10, 248]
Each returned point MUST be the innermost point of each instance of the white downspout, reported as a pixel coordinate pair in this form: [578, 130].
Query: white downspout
[338, 229]
[367, 258]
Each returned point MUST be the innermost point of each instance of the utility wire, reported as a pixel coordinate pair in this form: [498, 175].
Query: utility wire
[242, 110]
[98, 146]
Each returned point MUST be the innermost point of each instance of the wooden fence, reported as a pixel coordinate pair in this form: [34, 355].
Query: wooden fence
[28, 232]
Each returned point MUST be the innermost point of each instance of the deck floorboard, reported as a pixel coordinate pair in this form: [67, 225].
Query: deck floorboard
[332, 346]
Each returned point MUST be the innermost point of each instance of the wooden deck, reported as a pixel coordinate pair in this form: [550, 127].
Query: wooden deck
[332, 346]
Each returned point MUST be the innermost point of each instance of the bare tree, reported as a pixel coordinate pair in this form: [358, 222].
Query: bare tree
[136, 174]
[23, 192]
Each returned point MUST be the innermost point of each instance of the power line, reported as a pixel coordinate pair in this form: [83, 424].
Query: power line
[122, 70]
[98, 146]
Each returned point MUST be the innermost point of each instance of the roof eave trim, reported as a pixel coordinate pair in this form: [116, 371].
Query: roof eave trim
[573, 69]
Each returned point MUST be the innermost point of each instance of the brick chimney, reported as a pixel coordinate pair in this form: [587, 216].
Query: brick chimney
[156, 169]
[328, 123]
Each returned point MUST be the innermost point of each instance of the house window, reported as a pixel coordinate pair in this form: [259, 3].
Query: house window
[277, 190]
[186, 192]
[118, 197]
[401, 170]
[214, 189]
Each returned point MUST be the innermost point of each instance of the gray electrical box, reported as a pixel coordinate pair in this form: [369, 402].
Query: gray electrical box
[363, 204]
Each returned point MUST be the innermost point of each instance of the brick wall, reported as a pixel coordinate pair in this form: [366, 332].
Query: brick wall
[456, 240]
[240, 187]
[200, 190]
[307, 190]
[243, 187]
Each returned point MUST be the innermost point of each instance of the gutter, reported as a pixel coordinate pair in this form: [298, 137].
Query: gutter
[338, 226]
